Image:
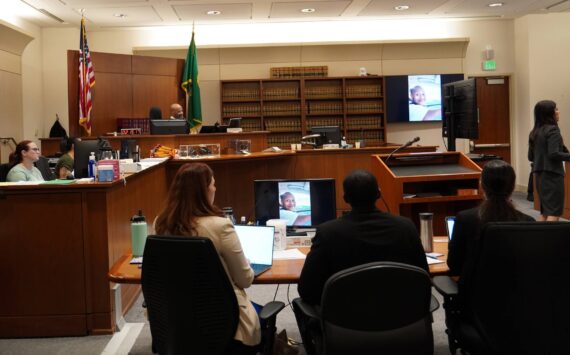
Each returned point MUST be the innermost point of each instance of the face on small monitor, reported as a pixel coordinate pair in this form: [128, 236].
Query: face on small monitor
[301, 203]
[295, 203]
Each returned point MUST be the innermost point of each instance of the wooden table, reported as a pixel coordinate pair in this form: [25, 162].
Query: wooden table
[282, 271]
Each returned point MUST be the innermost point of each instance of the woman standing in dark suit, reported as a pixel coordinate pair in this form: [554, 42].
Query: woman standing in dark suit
[546, 151]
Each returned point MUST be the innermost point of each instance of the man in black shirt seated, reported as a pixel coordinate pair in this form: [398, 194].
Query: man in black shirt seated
[362, 236]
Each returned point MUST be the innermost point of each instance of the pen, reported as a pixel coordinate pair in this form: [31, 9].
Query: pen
[432, 257]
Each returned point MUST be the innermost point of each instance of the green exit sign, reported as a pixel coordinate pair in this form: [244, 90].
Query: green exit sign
[490, 65]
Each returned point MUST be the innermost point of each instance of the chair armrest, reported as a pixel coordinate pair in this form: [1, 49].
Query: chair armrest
[271, 309]
[307, 309]
[445, 286]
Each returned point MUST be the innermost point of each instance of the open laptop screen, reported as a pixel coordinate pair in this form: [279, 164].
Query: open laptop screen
[257, 243]
[449, 223]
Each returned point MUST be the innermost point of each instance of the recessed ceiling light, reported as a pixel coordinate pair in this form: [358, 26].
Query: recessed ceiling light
[401, 8]
[120, 15]
[213, 12]
[309, 10]
[496, 4]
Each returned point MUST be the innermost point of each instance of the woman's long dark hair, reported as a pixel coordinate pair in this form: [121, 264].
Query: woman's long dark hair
[16, 156]
[498, 182]
[544, 113]
[187, 199]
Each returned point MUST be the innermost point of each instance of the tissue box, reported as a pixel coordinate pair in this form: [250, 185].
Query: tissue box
[198, 151]
[113, 163]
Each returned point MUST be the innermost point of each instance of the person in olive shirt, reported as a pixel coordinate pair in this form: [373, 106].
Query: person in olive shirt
[22, 160]
[64, 166]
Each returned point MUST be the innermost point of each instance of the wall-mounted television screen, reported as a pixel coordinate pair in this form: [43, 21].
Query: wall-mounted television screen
[416, 98]
[301, 203]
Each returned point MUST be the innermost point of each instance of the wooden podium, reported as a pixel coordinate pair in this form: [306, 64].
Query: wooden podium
[440, 183]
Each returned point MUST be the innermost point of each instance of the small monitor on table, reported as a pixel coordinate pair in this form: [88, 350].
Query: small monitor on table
[301, 203]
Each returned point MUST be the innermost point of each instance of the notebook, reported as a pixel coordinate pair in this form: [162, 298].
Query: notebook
[449, 222]
[257, 245]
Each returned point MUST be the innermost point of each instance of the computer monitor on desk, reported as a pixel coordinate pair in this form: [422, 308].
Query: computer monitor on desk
[169, 127]
[82, 150]
[328, 135]
[301, 203]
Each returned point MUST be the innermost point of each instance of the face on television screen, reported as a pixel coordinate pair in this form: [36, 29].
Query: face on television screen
[295, 202]
[424, 97]
[301, 203]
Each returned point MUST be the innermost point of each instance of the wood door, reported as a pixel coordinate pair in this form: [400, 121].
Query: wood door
[494, 117]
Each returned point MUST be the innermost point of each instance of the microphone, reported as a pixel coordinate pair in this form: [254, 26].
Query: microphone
[405, 145]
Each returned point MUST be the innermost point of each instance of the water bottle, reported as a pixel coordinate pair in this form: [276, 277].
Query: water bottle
[138, 233]
[229, 214]
[426, 231]
[91, 165]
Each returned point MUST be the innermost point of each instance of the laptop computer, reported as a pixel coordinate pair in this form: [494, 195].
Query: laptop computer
[257, 245]
[449, 223]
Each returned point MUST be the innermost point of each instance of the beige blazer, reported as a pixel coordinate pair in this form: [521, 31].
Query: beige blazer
[221, 232]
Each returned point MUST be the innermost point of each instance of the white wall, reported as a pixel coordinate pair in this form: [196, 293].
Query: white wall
[542, 50]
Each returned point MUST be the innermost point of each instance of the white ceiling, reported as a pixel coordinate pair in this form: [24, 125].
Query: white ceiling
[103, 13]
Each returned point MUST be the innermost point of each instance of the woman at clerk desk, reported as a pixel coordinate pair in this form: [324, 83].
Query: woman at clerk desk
[22, 160]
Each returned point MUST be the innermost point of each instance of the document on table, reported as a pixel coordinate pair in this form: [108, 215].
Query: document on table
[288, 254]
[432, 261]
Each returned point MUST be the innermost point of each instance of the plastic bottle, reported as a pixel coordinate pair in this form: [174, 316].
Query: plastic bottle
[343, 142]
[242, 220]
[138, 233]
[91, 165]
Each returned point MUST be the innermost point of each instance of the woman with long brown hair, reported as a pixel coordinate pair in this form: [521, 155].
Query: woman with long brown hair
[22, 160]
[546, 151]
[190, 211]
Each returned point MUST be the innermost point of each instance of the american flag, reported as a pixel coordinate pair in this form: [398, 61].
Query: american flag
[86, 81]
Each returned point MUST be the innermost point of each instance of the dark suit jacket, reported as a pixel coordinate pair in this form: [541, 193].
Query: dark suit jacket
[463, 246]
[354, 239]
[547, 151]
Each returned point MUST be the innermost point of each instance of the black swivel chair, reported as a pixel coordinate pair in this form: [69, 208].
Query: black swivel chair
[192, 308]
[155, 113]
[43, 166]
[516, 299]
[375, 308]
[4, 169]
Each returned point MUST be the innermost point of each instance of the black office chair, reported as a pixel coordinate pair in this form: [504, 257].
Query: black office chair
[43, 166]
[192, 307]
[155, 113]
[4, 169]
[375, 308]
[516, 299]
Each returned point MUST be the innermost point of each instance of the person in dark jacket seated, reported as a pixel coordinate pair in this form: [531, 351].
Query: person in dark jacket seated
[362, 236]
[498, 183]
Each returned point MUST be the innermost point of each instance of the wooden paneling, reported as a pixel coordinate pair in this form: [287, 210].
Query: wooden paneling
[125, 86]
[54, 270]
[155, 66]
[153, 90]
[111, 63]
[117, 91]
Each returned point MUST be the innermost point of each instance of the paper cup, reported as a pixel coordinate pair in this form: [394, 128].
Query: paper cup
[357, 144]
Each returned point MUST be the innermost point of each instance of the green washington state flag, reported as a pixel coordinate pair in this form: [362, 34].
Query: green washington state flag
[191, 87]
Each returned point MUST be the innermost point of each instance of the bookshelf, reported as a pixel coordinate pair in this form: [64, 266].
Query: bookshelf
[289, 108]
